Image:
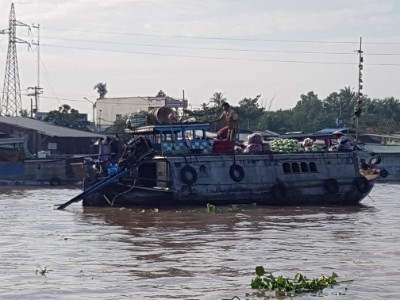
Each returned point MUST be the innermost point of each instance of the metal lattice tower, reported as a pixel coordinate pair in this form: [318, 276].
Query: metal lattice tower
[11, 104]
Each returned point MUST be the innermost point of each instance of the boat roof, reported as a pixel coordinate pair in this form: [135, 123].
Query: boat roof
[151, 129]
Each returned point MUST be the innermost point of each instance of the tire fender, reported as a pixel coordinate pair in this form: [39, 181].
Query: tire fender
[332, 186]
[189, 175]
[279, 191]
[375, 160]
[384, 173]
[237, 173]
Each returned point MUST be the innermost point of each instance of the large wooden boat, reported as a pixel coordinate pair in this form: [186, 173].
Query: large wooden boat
[177, 164]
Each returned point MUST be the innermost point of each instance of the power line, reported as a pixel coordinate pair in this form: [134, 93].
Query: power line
[203, 37]
[203, 48]
[221, 58]
[202, 57]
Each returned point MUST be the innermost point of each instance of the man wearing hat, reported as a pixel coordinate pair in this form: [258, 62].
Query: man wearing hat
[343, 143]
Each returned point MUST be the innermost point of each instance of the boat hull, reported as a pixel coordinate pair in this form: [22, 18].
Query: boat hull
[325, 178]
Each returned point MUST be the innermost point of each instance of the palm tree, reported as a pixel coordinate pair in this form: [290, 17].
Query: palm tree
[101, 89]
[217, 98]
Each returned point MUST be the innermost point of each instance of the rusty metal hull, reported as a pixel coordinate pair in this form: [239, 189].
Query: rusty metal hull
[300, 178]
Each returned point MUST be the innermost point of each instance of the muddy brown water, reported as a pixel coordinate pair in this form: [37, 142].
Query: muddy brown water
[189, 253]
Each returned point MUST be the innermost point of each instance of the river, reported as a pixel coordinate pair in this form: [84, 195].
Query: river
[111, 253]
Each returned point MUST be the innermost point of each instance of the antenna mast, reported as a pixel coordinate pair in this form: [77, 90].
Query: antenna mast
[11, 98]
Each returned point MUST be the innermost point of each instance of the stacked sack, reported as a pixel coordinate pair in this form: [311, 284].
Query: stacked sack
[256, 144]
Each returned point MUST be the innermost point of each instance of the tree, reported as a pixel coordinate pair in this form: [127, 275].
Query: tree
[24, 113]
[67, 117]
[161, 94]
[249, 113]
[308, 114]
[101, 89]
[217, 98]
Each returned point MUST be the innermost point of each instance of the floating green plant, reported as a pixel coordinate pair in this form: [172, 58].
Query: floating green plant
[289, 287]
[210, 207]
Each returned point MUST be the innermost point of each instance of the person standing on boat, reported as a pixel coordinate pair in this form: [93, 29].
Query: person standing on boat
[104, 154]
[232, 120]
[116, 149]
[342, 142]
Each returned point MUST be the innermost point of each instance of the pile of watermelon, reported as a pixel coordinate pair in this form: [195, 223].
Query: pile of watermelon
[284, 145]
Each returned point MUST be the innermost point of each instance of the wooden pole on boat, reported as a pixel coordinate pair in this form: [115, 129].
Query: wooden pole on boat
[357, 108]
[94, 188]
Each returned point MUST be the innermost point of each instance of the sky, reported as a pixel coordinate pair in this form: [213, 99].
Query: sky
[279, 49]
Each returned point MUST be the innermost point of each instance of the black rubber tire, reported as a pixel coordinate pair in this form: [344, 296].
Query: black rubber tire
[189, 175]
[376, 160]
[279, 191]
[384, 173]
[332, 186]
[237, 173]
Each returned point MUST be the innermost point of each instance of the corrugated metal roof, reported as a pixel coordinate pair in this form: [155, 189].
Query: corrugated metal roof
[46, 128]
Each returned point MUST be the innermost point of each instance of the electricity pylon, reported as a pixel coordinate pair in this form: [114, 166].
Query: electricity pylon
[11, 98]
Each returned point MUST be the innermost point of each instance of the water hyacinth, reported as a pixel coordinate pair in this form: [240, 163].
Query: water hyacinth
[289, 287]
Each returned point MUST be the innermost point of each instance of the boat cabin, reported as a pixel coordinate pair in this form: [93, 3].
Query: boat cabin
[177, 138]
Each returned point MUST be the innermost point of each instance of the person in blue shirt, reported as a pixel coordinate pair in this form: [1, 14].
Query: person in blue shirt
[343, 143]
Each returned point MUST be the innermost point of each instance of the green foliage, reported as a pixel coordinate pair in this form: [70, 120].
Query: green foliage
[217, 99]
[291, 287]
[118, 127]
[101, 89]
[66, 116]
[310, 113]
[250, 113]
[161, 94]
[210, 207]
[23, 113]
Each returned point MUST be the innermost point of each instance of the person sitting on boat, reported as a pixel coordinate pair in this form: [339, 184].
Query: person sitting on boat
[232, 121]
[307, 144]
[342, 142]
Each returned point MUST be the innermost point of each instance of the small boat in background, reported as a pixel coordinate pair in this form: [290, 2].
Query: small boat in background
[18, 168]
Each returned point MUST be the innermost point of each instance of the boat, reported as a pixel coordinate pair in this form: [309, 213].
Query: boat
[390, 160]
[177, 164]
[18, 167]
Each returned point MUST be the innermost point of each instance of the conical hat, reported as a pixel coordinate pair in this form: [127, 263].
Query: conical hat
[338, 132]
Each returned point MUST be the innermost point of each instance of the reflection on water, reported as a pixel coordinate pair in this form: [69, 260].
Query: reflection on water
[189, 253]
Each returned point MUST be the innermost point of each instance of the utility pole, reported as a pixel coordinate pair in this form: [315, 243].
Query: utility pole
[99, 129]
[94, 110]
[358, 106]
[37, 89]
[11, 98]
[36, 92]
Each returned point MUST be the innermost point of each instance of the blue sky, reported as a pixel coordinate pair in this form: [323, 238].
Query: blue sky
[279, 49]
